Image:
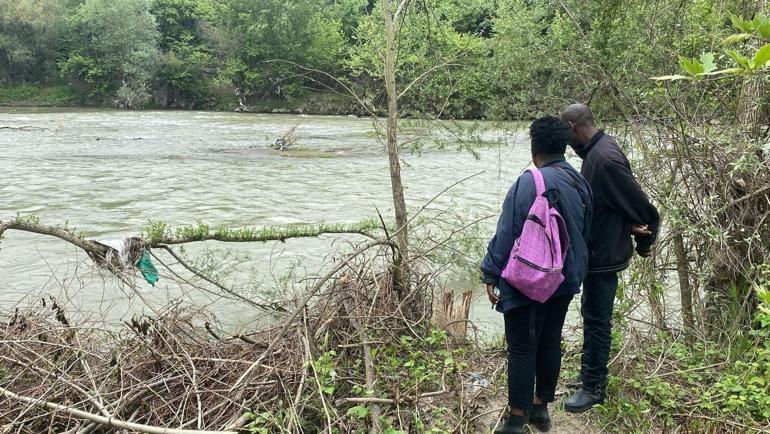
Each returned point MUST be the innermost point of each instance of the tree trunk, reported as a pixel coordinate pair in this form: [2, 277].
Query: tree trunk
[750, 105]
[399, 204]
[685, 290]
[751, 102]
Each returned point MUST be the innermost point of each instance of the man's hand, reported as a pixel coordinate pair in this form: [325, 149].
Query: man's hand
[493, 298]
[642, 230]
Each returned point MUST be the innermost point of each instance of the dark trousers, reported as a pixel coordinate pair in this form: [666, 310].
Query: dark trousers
[533, 334]
[597, 302]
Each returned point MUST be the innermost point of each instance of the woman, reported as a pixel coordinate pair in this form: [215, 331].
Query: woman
[533, 329]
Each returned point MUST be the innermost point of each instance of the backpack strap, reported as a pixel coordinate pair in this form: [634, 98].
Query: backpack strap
[539, 181]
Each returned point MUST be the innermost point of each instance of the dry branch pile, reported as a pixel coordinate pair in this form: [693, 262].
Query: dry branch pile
[175, 371]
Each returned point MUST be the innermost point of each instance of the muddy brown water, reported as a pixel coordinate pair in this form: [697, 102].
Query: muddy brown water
[108, 173]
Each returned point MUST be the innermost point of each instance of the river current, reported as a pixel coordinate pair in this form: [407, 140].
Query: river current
[108, 173]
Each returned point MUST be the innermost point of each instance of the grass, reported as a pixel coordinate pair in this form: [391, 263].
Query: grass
[40, 95]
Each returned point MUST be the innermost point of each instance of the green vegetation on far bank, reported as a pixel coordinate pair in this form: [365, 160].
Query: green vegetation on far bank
[504, 59]
[32, 95]
[62, 95]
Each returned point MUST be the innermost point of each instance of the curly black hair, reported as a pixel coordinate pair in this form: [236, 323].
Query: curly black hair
[549, 135]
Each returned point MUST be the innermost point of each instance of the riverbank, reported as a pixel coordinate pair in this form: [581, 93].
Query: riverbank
[350, 351]
[218, 99]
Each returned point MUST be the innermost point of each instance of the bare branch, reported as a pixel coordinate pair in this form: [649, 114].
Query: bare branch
[102, 419]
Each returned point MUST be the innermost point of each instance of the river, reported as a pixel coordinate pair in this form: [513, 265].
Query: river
[108, 173]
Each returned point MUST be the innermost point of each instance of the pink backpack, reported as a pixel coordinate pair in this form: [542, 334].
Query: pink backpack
[538, 255]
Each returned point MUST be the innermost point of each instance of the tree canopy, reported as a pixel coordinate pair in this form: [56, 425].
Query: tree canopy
[470, 58]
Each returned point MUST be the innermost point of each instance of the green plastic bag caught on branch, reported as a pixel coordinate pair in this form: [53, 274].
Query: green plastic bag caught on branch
[149, 272]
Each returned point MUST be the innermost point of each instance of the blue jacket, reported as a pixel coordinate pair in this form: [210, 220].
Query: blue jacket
[570, 193]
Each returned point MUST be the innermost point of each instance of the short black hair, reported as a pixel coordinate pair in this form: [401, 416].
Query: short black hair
[549, 135]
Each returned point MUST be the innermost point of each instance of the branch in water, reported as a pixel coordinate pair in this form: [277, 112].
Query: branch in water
[95, 250]
[159, 233]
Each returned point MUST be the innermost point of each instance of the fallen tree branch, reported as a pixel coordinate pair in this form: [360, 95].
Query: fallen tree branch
[101, 419]
[162, 235]
[389, 400]
[93, 249]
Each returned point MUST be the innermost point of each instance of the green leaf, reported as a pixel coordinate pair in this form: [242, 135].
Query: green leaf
[740, 59]
[359, 411]
[734, 39]
[762, 26]
[741, 24]
[761, 57]
[691, 66]
[707, 60]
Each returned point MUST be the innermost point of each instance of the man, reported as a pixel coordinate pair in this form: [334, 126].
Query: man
[621, 209]
[533, 330]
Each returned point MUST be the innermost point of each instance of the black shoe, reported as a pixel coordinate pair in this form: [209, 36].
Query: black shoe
[574, 383]
[581, 401]
[512, 424]
[539, 417]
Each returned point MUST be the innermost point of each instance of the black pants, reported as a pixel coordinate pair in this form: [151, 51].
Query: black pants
[533, 334]
[596, 307]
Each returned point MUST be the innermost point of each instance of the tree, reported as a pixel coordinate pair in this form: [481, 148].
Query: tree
[447, 63]
[397, 188]
[31, 34]
[116, 50]
[260, 41]
[187, 63]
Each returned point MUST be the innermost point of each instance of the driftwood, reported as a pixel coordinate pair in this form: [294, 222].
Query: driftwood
[109, 421]
[217, 382]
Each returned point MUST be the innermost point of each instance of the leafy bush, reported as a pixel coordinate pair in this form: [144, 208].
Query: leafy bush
[40, 95]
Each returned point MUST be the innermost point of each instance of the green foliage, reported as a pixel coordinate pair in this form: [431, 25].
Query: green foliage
[759, 26]
[37, 95]
[442, 62]
[265, 422]
[187, 57]
[463, 59]
[117, 52]
[259, 42]
[359, 411]
[32, 34]
[324, 369]
[667, 379]
[751, 63]
[420, 364]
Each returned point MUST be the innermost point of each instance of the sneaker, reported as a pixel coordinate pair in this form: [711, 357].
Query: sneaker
[581, 401]
[539, 417]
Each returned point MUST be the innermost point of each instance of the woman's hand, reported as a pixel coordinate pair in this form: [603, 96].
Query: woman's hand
[493, 298]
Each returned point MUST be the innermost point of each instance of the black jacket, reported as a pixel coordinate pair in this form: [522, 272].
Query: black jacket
[570, 194]
[619, 202]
